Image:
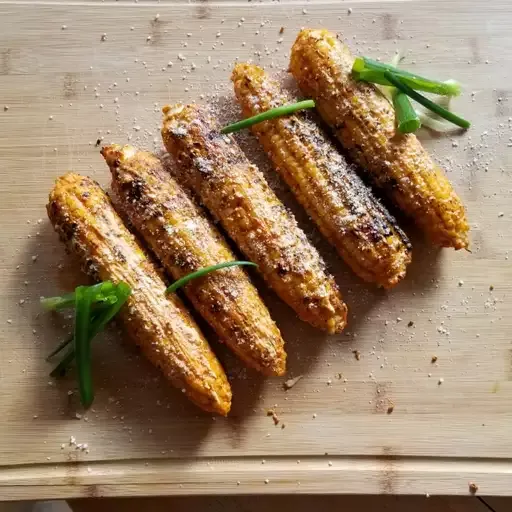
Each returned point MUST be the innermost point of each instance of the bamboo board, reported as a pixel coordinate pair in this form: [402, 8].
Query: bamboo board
[75, 72]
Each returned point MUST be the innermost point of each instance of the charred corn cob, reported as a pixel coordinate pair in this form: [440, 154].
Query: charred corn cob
[366, 236]
[364, 122]
[236, 192]
[184, 240]
[84, 218]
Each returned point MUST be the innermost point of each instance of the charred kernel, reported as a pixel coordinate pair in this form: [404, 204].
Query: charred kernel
[365, 234]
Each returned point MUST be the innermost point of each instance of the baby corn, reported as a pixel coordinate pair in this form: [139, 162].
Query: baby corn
[84, 218]
[236, 192]
[184, 240]
[366, 236]
[364, 122]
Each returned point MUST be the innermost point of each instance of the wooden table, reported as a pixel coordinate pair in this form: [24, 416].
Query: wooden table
[74, 74]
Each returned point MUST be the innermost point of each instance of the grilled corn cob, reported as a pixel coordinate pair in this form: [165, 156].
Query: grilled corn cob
[366, 236]
[184, 240]
[364, 122]
[84, 218]
[236, 192]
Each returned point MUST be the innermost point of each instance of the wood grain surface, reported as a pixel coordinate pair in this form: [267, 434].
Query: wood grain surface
[74, 74]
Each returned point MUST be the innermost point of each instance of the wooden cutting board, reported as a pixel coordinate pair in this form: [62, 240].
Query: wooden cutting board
[74, 74]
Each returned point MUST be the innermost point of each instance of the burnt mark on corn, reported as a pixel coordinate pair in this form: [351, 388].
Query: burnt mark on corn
[68, 231]
[134, 190]
[281, 270]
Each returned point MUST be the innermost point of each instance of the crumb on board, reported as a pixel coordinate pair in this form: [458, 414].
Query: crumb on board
[357, 354]
[288, 384]
[473, 488]
[275, 418]
[434, 359]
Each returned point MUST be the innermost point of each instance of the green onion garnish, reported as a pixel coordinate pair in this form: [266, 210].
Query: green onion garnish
[206, 270]
[83, 298]
[406, 117]
[101, 292]
[123, 291]
[284, 110]
[90, 319]
[370, 70]
[434, 107]
[59, 302]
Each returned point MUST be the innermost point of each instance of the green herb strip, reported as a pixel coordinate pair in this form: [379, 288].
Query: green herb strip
[407, 119]
[83, 296]
[269, 114]
[370, 70]
[206, 270]
[434, 107]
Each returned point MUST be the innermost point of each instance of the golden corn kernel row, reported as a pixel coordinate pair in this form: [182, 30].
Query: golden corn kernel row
[366, 236]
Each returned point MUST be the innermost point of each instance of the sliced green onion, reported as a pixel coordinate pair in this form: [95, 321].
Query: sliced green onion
[370, 70]
[269, 114]
[206, 270]
[83, 298]
[386, 90]
[123, 291]
[422, 100]
[406, 117]
[100, 293]
[99, 319]
[59, 302]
